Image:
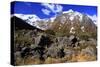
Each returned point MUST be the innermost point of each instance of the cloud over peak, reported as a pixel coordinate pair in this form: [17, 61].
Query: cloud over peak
[94, 18]
[46, 11]
[54, 8]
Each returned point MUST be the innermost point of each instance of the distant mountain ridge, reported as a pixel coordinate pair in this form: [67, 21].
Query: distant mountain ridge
[34, 20]
[70, 21]
[21, 24]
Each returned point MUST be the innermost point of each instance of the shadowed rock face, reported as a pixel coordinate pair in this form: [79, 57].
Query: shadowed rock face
[61, 53]
[74, 41]
[45, 41]
[21, 24]
[25, 51]
[39, 51]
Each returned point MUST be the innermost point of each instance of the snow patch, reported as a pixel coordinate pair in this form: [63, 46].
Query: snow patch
[63, 19]
[52, 19]
[69, 11]
[71, 18]
[82, 28]
[79, 14]
[93, 18]
[74, 14]
[31, 19]
[72, 30]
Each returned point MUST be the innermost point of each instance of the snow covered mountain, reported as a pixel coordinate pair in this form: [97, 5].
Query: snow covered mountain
[34, 20]
[73, 22]
[69, 20]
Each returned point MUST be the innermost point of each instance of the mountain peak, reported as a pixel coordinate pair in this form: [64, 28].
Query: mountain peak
[69, 11]
[73, 22]
[73, 13]
[67, 17]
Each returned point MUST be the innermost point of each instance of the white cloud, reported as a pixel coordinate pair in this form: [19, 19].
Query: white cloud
[46, 11]
[94, 18]
[48, 6]
[58, 8]
[55, 8]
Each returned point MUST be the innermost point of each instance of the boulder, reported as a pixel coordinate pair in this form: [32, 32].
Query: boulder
[74, 41]
[43, 41]
[65, 42]
[92, 42]
[61, 53]
[71, 37]
[89, 50]
[52, 52]
[25, 51]
[68, 52]
[38, 52]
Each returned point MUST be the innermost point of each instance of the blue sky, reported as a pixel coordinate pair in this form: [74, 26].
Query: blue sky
[44, 10]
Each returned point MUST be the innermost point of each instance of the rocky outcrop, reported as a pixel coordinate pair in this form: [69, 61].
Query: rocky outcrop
[43, 46]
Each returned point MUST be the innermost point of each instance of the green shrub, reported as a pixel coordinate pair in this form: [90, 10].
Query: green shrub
[84, 35]
[50, 32]
[94, 35]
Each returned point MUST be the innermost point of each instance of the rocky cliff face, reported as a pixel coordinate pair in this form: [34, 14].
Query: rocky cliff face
[73, 23]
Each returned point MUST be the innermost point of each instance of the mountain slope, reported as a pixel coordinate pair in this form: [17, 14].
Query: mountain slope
[72, 22]
[21, 24]
[34, 20]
